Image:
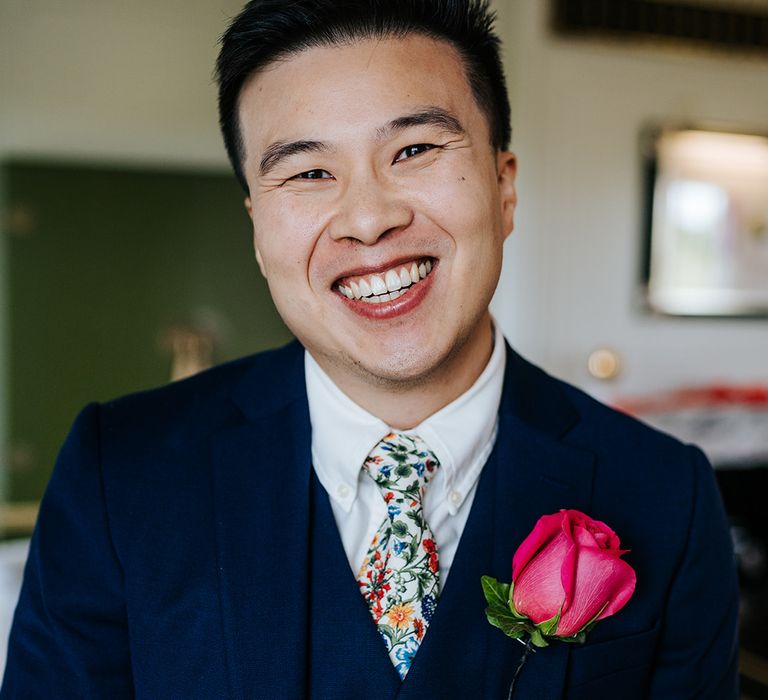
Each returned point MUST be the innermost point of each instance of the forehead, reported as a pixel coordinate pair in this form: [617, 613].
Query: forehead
[322, 90]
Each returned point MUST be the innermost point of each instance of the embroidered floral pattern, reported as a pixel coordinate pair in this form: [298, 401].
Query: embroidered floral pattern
[399, 575]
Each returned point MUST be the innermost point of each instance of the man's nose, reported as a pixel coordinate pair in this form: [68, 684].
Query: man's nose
[368, 209]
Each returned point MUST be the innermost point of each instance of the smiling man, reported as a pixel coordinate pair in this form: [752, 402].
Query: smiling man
[314, 521]
[379, 208]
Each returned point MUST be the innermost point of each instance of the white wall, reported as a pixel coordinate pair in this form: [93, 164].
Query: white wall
[108, 79]
[572, 264]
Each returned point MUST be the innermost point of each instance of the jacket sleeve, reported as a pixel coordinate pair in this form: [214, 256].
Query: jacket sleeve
[697, 656]
[69, 637]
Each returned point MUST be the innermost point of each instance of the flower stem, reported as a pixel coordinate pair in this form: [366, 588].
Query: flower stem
[523, 659]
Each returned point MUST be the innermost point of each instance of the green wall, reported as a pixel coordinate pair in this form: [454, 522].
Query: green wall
[101, 263]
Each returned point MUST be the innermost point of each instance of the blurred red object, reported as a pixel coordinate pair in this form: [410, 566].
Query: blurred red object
[729, 422]
[712, 396]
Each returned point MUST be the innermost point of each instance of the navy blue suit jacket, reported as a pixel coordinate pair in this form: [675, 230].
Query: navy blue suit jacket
[184, 549]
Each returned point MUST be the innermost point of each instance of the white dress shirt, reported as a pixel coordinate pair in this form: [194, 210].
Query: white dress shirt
[461, 435]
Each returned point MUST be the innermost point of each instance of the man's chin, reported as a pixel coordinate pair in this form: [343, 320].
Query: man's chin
[401, 371]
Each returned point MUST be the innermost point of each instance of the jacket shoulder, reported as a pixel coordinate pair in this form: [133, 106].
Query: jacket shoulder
[601, 421]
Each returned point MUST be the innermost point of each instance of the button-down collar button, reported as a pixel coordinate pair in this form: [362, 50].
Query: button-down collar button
[343, 491]
[455, 497]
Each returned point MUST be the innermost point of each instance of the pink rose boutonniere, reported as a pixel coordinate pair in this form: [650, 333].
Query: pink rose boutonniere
[566, 576]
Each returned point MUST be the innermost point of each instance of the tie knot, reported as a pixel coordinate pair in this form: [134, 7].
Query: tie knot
[402, 465]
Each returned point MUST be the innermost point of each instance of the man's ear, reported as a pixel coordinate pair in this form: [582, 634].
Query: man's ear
[249, 209]
[506, 169]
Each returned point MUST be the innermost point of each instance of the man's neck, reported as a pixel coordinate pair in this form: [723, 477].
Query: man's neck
[405, 405]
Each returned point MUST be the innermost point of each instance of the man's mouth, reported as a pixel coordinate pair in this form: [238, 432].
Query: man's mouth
[387, 285]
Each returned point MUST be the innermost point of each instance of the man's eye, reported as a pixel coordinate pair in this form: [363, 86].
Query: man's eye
[414, 150]
[315, 174]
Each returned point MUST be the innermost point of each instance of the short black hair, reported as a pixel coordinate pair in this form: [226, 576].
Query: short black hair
[268, 30]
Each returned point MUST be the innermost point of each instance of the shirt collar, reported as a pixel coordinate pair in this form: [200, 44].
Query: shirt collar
[343, 434]
[461, 434]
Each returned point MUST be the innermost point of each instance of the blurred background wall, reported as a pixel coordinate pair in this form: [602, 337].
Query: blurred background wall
[570, 282]
[112, 80]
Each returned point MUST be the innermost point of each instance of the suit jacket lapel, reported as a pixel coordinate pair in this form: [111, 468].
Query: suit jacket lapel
[538, 471]
[261, 498]
[535, 475]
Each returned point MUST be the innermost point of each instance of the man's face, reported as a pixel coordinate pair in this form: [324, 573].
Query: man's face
[370, 169]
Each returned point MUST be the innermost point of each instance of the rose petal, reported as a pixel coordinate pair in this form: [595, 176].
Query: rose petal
[568, 575]
[547, 527]
[538, 591]
[600, 578]
[610, 539]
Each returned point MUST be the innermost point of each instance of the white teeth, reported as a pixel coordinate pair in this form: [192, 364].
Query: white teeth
[377, 285]
[384, 297]
[387, 287]
[393, 281]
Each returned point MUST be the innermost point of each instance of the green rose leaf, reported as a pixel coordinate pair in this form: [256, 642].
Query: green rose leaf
[499, 613]
[508, 623]
[537, 638]
[548, 627]
[496, 592]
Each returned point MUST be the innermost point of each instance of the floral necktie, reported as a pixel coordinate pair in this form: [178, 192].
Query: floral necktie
[399, 575]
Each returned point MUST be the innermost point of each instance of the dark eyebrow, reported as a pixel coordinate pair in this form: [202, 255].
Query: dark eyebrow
[280, 150]
[429, 116]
